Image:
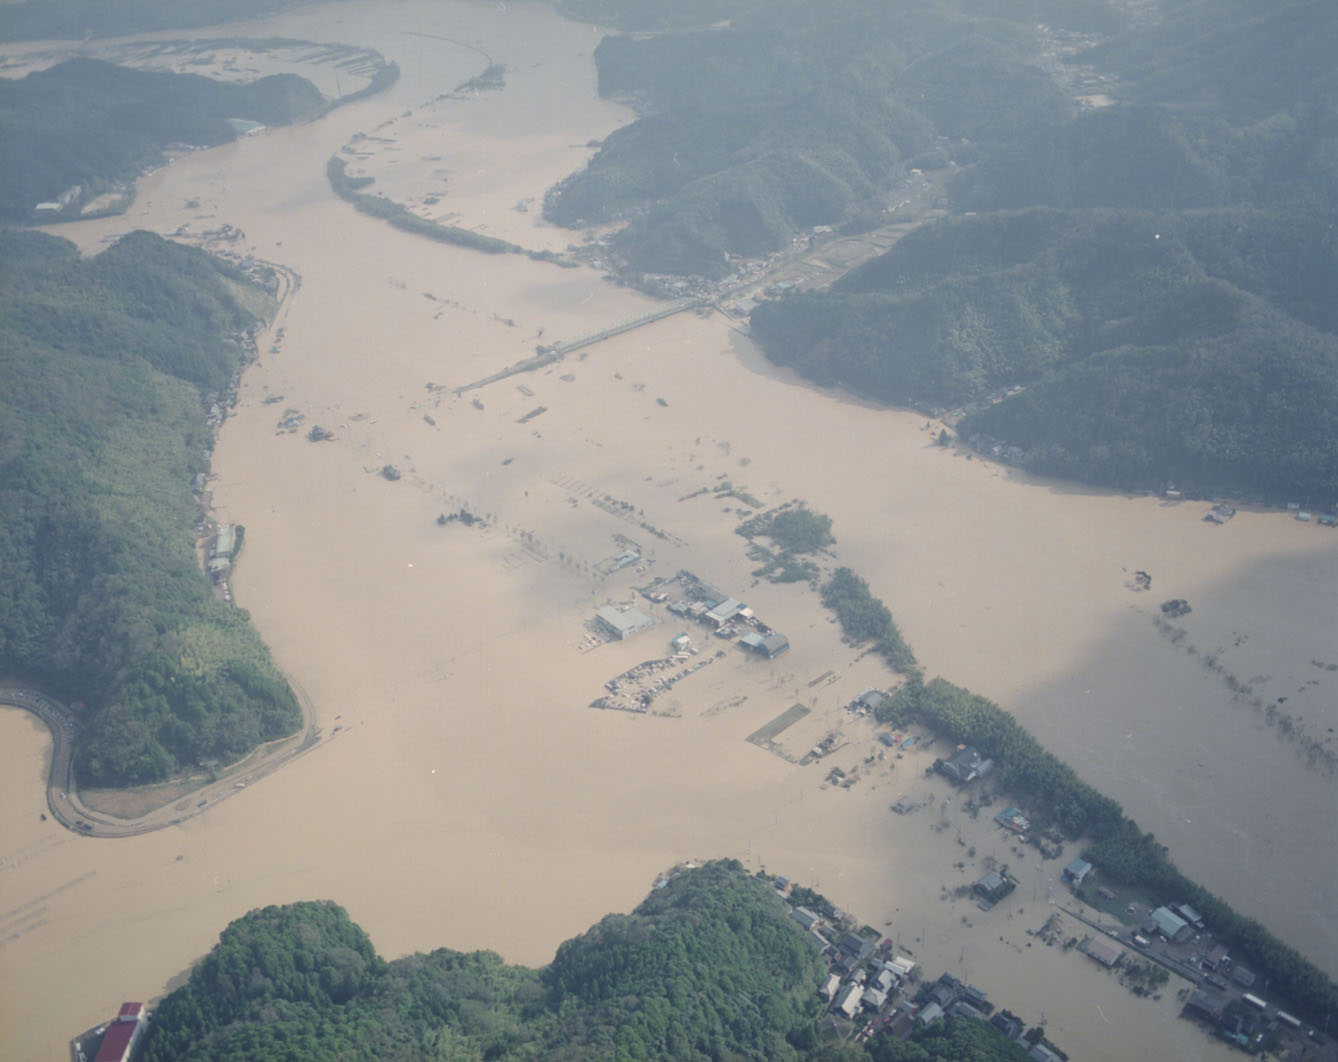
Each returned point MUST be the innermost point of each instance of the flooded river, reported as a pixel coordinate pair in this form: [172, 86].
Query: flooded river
[464, 795]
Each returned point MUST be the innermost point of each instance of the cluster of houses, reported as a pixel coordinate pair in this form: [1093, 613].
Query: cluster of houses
[871, 990]
[1244, 1022]
[727, 616]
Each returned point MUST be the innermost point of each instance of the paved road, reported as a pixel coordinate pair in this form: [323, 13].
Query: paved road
[62, 795]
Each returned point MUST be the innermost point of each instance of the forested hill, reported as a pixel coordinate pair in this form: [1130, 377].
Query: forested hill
[708, 967]
[1156, 276]
[109, 364]
[94, 124]
[794, 114]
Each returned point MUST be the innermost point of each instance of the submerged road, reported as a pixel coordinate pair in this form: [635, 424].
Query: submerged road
[62, 793]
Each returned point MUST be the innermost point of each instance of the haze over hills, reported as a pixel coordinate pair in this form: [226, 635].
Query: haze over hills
[1041, 293]
[90, 125]
[1170, 324]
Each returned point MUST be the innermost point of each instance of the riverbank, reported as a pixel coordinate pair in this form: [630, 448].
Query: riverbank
[130, 812]
[451, 656]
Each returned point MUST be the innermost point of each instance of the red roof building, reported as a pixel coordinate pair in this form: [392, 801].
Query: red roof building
[122, 1035]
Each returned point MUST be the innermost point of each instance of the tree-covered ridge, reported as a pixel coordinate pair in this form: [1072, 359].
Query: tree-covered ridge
[1156, 274]
[708, 967]
[107, 363]
[791, 115]
[1172, 345]
[95, 124]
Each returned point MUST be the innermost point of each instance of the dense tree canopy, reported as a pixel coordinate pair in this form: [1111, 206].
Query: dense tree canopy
[708, 967]
[93, 124]
[1170, 320]
[1151, 346]
[792, 115]
[107, 364]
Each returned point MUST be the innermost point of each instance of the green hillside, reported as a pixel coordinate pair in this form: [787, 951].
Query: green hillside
[1146, 286]
[708, 967]
[791, 115]
[94, 124]
[110, 364]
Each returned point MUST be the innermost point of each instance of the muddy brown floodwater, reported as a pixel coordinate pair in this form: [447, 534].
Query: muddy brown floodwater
[464, 794]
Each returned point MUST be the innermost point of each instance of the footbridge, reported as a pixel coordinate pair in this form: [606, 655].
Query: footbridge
[557, 351]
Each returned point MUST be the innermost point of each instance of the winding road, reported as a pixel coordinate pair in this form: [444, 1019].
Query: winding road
[62, 794]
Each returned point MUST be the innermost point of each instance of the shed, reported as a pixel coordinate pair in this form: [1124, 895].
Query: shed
[1077, 871]
[725, 611]
[622, 624]
[1104, 951]
[993, 886]
[929, 1013]
[1200, 1006]
[1216, 956]
[1169, 924]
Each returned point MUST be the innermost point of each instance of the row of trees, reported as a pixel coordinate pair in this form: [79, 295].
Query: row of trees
[1028, 771]
[1116, 844]
[350, 190]
[109, 365]
[864, 618]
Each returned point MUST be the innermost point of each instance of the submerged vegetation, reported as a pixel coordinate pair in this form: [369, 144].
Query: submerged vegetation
[110, 365]
[866, 619]
[350, 190]
[1027, 770]
[1122, 851]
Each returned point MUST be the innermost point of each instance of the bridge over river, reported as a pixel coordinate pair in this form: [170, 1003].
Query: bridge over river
[557, 351]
